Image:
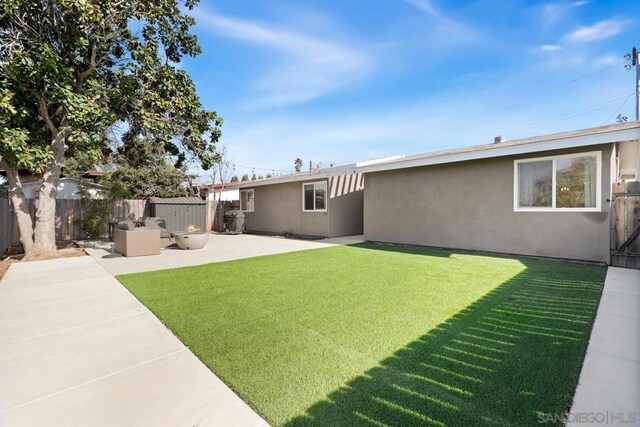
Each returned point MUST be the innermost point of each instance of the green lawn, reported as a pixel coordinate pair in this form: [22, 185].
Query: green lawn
[375, 335]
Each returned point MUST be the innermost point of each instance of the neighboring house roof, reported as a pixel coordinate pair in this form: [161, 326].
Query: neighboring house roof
[28, 179]
[302, 176]
[556, 141]
[178, 201]
[38, 180]
[96, 172]
[227, 185]
[65, 191]
[25, 176]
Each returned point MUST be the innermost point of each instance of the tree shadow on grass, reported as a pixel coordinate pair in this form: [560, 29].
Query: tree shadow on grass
[511, 356]
[406, 249]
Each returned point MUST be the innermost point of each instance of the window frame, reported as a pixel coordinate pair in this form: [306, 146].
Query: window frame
[246, 190]
[553, 208]
[326, 196]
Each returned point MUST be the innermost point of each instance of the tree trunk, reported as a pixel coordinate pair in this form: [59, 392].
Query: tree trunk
[20, 207]
[217, 196]
[44, 244]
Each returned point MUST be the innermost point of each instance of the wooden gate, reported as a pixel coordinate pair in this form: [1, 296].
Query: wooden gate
[625, 235]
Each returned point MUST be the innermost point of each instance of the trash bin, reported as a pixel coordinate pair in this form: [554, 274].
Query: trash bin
[234, 221]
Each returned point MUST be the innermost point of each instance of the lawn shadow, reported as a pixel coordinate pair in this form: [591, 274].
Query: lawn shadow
[405, 249]
[512, 355]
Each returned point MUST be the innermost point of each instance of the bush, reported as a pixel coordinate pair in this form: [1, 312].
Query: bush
[97, 206]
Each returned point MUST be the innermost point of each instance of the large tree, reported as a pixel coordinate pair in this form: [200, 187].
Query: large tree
[71, 69]
[144, 169]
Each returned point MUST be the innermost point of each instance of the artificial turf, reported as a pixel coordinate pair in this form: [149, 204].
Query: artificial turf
[384, 335]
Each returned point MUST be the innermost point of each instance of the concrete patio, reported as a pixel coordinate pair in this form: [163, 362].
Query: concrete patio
[220, 247]
[76, 348]
[609, 386]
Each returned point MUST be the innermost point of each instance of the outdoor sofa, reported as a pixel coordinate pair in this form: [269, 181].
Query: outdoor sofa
[131, 241]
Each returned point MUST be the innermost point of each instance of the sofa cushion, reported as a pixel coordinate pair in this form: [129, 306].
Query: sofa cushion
[126, 225]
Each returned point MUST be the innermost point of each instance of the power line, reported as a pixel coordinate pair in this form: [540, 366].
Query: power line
[619, 107]
[554, 117]
[569, 114]
[597, 72]
[551, 118]
[253, 168]
[540, 121]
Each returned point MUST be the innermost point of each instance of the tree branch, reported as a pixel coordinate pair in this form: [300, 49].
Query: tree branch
[44, 112]
[92, 66]
[13, 176]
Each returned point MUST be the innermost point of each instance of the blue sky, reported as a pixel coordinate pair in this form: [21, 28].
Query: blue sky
[343, 81]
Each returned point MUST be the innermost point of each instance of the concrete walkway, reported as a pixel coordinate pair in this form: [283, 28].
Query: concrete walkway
[609, 383]
[220, 247]
[76, 348]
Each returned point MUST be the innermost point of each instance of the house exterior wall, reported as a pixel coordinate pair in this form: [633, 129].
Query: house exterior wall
[230, 194]
[226, 195]
[67, 189]
[345, 217]
[278, 209]
[470, 205]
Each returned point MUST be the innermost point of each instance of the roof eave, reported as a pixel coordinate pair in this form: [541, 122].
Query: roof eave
[301, 176]
[511, 149]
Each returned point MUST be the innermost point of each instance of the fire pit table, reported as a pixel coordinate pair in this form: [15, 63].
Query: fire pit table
[186, 240]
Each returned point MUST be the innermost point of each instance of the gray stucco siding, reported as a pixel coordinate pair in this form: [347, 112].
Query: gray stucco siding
[278, 209]
[470, 205]
[345, 214]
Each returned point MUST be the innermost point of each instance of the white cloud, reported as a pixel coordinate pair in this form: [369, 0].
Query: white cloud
[550, 48]
[445, 24]
[427, 7]
[552, 13]
[308, 67]
[598, 31]
[447, 120]
[608, 60]
[579, 3]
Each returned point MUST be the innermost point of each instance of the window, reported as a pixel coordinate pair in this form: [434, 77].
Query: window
[314, 197]
[246, 200]
[561, 183]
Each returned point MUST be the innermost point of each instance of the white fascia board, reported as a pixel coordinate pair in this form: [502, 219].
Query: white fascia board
[302, 176]
[380, 160]
[502, 150]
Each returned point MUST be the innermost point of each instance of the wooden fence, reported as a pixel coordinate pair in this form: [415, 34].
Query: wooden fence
[131, 209]
[217, 210]
[68, 211]
[625, 225]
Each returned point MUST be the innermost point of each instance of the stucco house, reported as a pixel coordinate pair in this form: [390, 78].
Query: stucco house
[550, 196]
[321, 203]
[228, 192]
[68, 188]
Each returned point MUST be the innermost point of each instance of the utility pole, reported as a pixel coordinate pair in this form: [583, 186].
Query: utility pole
[636, 62]
[633, 60]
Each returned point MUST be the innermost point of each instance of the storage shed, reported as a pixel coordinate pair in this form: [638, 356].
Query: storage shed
[180, 212]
